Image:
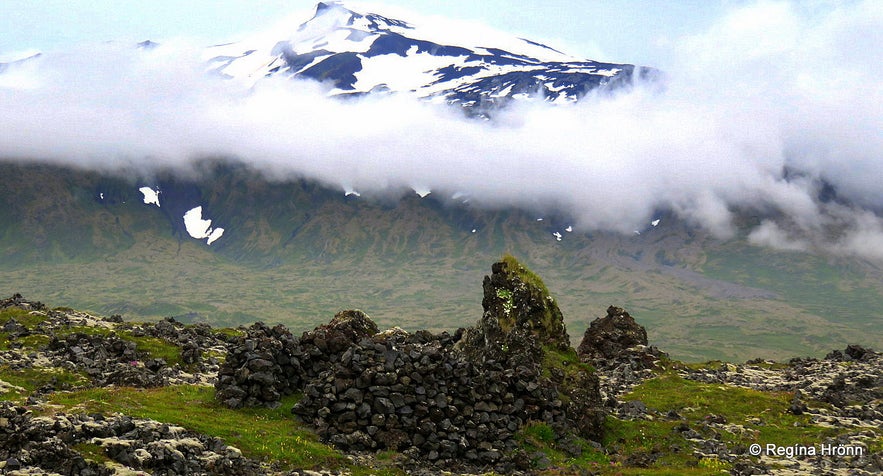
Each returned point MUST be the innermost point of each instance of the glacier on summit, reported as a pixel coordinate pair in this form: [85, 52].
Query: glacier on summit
[355, 53]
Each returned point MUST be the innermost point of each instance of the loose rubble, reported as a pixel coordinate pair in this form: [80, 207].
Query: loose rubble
[47, 443]
[850, 382]
[94, 347]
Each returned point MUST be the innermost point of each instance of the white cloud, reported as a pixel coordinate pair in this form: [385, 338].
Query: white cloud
[770, 85]
[770, 234]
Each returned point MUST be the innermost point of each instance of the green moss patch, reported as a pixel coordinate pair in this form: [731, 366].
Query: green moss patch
[264, 434]
[656, 440]
[92, 452]
[30, 379]
[152, 347]
[540, 442]
[763, 416]
[23, 317]
[525, 274]
[743, 417]
[155, 347]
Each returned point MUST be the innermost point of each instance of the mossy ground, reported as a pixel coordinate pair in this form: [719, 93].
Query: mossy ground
[148, 346]
[31, 379]
[540, 441]
[763, 415]
[565, 361]
[751, 416]
[23, 317]
[264, 434]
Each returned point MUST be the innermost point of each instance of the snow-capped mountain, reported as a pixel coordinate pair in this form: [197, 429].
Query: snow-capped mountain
[359, 53]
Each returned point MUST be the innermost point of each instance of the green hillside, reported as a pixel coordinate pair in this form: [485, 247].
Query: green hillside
[295, 252]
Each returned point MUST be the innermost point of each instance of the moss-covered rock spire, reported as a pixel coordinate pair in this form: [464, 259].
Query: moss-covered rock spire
[518, 299]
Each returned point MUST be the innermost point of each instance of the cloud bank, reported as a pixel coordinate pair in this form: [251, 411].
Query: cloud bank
[764, 111]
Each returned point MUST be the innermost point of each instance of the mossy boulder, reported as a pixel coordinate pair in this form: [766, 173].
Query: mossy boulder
[518, 299]
[523, 328]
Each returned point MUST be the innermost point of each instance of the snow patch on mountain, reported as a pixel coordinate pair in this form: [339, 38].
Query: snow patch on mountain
[200, 228]
[151, 196]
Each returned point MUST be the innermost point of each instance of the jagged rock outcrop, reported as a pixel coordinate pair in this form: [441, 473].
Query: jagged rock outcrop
[522, 327]
[517, 308]
[616, 345]
[608, 336]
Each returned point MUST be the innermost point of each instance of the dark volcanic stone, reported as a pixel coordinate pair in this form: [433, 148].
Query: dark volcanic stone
[347, 328]
[609, 336]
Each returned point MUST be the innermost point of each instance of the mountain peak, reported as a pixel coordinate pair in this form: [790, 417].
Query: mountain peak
[361, 53]
[322, 6]
[336, 15]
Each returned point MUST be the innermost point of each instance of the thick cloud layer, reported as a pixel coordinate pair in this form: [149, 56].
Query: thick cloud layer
[763, 111]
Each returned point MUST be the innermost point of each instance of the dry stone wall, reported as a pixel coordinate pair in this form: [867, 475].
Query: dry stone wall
[440, 398]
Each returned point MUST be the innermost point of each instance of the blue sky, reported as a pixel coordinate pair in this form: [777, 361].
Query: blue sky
[615, 30]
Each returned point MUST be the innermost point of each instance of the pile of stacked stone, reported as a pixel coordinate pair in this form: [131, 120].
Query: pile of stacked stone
[441, 398]
[260, 368]
[268, 363]
[414, 393]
